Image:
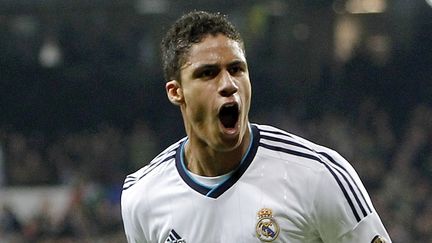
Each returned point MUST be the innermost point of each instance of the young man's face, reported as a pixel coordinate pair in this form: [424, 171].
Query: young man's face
[214, 93]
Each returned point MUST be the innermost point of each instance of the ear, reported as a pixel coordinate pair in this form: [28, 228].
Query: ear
[174, 92]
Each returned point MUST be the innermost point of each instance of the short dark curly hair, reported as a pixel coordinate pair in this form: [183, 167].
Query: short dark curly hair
[190, 29]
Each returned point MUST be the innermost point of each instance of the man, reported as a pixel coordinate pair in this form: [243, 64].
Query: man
[230, 180]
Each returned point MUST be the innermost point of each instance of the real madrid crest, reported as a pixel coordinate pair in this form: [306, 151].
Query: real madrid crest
[267, 229]
[378, 239]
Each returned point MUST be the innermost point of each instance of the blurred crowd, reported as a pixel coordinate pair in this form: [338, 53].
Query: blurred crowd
[92, 163]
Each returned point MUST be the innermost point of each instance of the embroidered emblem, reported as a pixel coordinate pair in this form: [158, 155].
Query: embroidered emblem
[378, 239]
[267, 229]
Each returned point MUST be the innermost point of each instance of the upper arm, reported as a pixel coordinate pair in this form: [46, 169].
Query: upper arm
[343, 209]
[366, 231]
[131, 222]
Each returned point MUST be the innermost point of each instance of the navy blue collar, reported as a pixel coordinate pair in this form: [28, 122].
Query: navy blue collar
[218, 190]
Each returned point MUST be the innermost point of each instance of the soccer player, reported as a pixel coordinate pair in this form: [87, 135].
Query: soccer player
[231, 180]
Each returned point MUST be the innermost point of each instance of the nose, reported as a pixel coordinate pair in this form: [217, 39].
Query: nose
[227, 86]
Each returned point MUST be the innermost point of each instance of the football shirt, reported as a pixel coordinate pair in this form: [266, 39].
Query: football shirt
[286, 189]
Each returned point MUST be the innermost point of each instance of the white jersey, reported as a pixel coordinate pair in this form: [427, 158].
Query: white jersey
[286, 189]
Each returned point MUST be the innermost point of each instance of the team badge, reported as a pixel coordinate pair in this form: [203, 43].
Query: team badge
[378, 239]
[267, 229]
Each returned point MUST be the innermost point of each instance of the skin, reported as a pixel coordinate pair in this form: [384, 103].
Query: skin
[214, 74]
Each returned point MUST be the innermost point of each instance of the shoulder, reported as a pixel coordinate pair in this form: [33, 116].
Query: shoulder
[138, 187]
[289, 145]
[277, 134]
[341, 199]
[321, 160]
[157, 165]
[333, 170]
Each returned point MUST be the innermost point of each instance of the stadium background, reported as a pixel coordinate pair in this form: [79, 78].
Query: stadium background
[82, 102]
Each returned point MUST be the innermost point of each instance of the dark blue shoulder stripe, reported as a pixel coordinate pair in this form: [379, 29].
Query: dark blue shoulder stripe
[328, 157]
[362, 208]
[129, 179]
[155, 165]
[308, 156]
[335, 165]
[171, 148]
[349, 174]
[334, 168]
[278, 132]
[158, 160]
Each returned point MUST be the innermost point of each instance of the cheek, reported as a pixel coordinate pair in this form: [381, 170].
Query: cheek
[247, 92]
[196, 107]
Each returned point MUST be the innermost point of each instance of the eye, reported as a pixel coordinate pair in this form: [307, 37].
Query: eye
[236, 69]
[206, 73]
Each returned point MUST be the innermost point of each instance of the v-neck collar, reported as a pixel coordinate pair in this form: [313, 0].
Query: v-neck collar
[218, 190]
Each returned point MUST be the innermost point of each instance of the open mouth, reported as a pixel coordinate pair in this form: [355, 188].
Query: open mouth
[229, 114]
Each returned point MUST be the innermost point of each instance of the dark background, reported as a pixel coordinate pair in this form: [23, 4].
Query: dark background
[82, 100]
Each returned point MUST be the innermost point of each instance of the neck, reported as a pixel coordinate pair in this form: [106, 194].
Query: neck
[202, 160]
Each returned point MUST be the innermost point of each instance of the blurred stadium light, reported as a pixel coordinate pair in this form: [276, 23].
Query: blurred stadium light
[151, 6]
[366, 6]
[360, 6]
[50, 54]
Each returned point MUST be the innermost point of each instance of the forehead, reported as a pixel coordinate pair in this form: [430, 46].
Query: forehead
[215, 49]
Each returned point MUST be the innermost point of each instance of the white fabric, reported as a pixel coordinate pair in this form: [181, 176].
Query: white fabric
[314, 194]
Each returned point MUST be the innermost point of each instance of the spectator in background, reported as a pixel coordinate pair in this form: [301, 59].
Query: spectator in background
[9, 222]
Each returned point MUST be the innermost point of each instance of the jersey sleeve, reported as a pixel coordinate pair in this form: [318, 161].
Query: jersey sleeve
[343, 209]
[131, 222]
[369, 229]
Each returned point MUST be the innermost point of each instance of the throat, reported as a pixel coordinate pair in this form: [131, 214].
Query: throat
[211, 163]
[210, 168]
[202, 159]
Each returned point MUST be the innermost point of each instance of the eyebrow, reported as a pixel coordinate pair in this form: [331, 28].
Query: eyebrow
[204, 66]
[238, 62]
[213, 65]
[196, 71]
